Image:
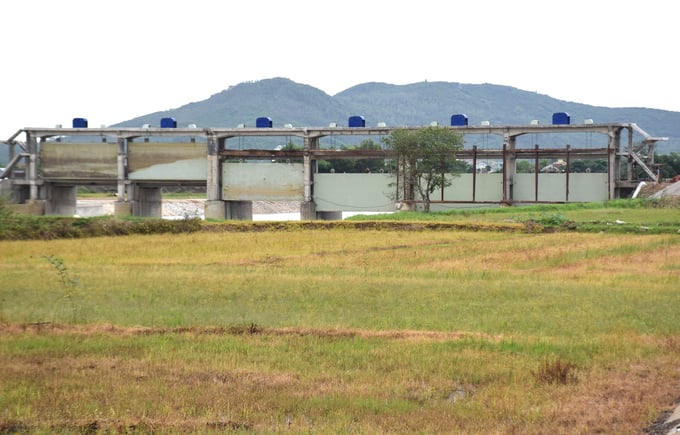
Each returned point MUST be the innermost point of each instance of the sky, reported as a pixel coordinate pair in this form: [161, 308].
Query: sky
[110, 61]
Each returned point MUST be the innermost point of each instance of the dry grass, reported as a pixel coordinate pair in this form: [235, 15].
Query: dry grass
[556, 371]
[199, 380]
[341, 330]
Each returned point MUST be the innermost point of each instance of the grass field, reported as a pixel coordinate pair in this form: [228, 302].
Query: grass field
[338, 329]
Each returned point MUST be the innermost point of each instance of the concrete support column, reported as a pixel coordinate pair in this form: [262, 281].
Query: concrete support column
[307, 169]
[32, 169]
[121, 170]
[238, 210]
[215, 210]
[307, 208]
[307, 211]
[329, 215]
[629, 150]
[61, 200]
[214, 207]
[213, 180]
[122, 206]
[148, 202]
[614, 163]
[509, 167]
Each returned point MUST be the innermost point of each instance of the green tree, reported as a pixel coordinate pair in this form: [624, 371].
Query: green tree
[370, 165]
[354, 165]
[423, 156]
[525, 167]
[669, 163]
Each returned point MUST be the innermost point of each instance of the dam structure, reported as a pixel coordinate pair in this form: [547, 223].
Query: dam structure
[46, 165]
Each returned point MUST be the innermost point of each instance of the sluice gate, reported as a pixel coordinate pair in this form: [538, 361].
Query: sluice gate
[47, 166]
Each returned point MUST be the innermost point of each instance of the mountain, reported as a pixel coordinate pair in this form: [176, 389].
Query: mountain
[283, 100]
[288, 102]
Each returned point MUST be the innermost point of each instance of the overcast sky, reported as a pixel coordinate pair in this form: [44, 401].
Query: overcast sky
[109, 61]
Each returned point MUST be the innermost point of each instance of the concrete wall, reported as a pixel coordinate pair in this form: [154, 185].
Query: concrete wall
[181, 161]
[262, 182]
[354, 192]
[63, 160]
[552, 187]
[373, 192]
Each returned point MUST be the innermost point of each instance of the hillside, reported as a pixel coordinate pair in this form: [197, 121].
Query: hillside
[285, 101]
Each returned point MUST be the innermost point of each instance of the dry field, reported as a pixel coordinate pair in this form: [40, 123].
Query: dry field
[340, 330]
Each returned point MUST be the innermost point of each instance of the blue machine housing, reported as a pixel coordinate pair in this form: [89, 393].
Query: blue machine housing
[79, 123]
[561, 118]
[459, 120]
[263, 122]
[356, 121]
[168, 123]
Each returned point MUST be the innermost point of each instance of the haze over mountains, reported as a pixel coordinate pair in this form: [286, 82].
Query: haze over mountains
[288, 102]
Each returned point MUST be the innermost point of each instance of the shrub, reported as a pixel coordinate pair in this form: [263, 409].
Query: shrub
[556, 371]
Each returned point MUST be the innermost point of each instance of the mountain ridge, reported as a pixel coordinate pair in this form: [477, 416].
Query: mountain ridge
[289, 102]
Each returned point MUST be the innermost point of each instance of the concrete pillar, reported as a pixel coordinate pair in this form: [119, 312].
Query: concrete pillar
[329, 215]
[32, 169]
[307, 169]
[214, 207]
[61, 200]
[307, 211]
[121, 169]
[147, 202]
[614, 163]
[122, 208]
[215, 210]
[214, 177]
[308, 207]
[509, 167]
[238, 210]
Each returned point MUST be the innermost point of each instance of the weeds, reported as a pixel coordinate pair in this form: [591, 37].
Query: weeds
[5, 211]
[69, 284]
[21, 227]
[555, 371]
[253, 328]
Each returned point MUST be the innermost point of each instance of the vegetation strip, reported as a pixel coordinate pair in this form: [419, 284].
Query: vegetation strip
[92, 329]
